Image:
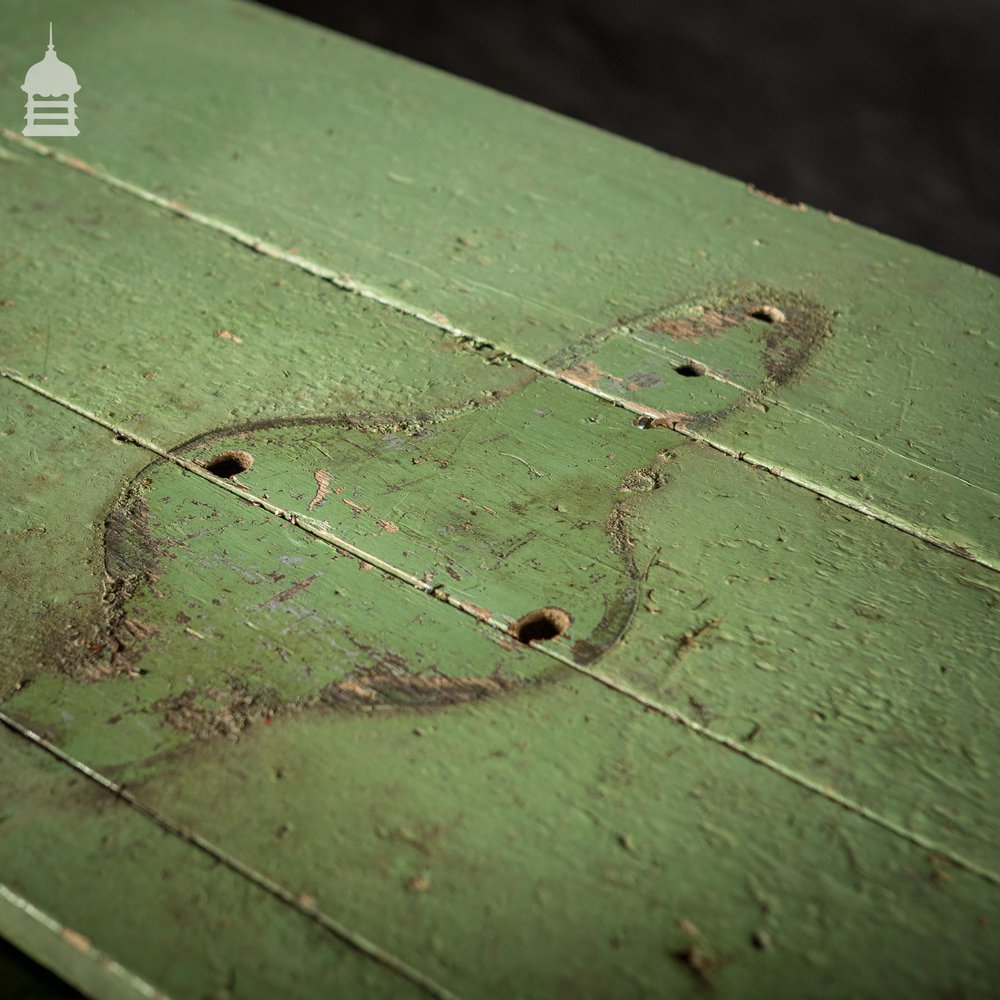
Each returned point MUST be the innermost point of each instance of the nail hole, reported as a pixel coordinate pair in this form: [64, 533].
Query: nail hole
[769, 314]
[541, 624]
[691, 369]
[229, 464]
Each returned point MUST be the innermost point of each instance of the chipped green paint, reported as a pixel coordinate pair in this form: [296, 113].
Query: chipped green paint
[485, 361]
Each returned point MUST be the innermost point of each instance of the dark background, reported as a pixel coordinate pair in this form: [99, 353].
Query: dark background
[886, 112]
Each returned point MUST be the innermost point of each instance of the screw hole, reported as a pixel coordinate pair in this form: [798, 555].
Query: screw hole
[229, 464]
[691, 369]
[541, 624]
[768, 314]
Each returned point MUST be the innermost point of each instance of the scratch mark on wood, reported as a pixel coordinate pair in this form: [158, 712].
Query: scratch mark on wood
[690, 640]
[286, 595]
[368, 688]
[322, 488]
[530, 468]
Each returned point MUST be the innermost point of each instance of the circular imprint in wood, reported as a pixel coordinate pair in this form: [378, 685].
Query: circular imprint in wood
[226, 613]
[277, 582]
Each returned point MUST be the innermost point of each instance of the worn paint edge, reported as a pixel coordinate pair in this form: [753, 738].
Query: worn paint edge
[357, 941]
[67, 953]
[437, 592]
[440, 322]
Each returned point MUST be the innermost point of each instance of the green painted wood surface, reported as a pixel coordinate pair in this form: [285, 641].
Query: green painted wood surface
[272, 735]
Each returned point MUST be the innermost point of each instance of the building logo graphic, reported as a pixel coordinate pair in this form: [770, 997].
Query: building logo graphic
[50, 78]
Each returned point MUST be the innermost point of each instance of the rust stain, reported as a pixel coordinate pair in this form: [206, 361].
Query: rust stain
[669, 419]
[793, 332]
[228, 711]
[322, 488]
[79, 941]
[583, 373]
[709, 321]
[219, 711]
[682, 328]
[483, 614]
[718, 320]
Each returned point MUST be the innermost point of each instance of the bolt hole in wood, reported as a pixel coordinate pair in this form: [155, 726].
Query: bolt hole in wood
[767, 314]
[229, 464]
[691, 369]
[541, 624]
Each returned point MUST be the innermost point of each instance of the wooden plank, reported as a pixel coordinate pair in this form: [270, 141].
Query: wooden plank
[171, 331]
[759, 756]
[823, 406]
[476, 843]
[89, 880]
[513, 225]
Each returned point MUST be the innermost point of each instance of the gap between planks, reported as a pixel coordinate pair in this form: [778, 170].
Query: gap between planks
[314, 528]
[440, 322]
[284, 895]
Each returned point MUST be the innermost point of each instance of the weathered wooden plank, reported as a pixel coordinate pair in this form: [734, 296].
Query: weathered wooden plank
[120, 887]
[815, 637]
[170, 331]
[827, 790]
[565, 841]
[207, 614]
[889, 425]
[60, 476]
[135, 733]
[530, 231]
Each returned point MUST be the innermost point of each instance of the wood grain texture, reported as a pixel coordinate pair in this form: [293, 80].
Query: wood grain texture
[485, 361]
